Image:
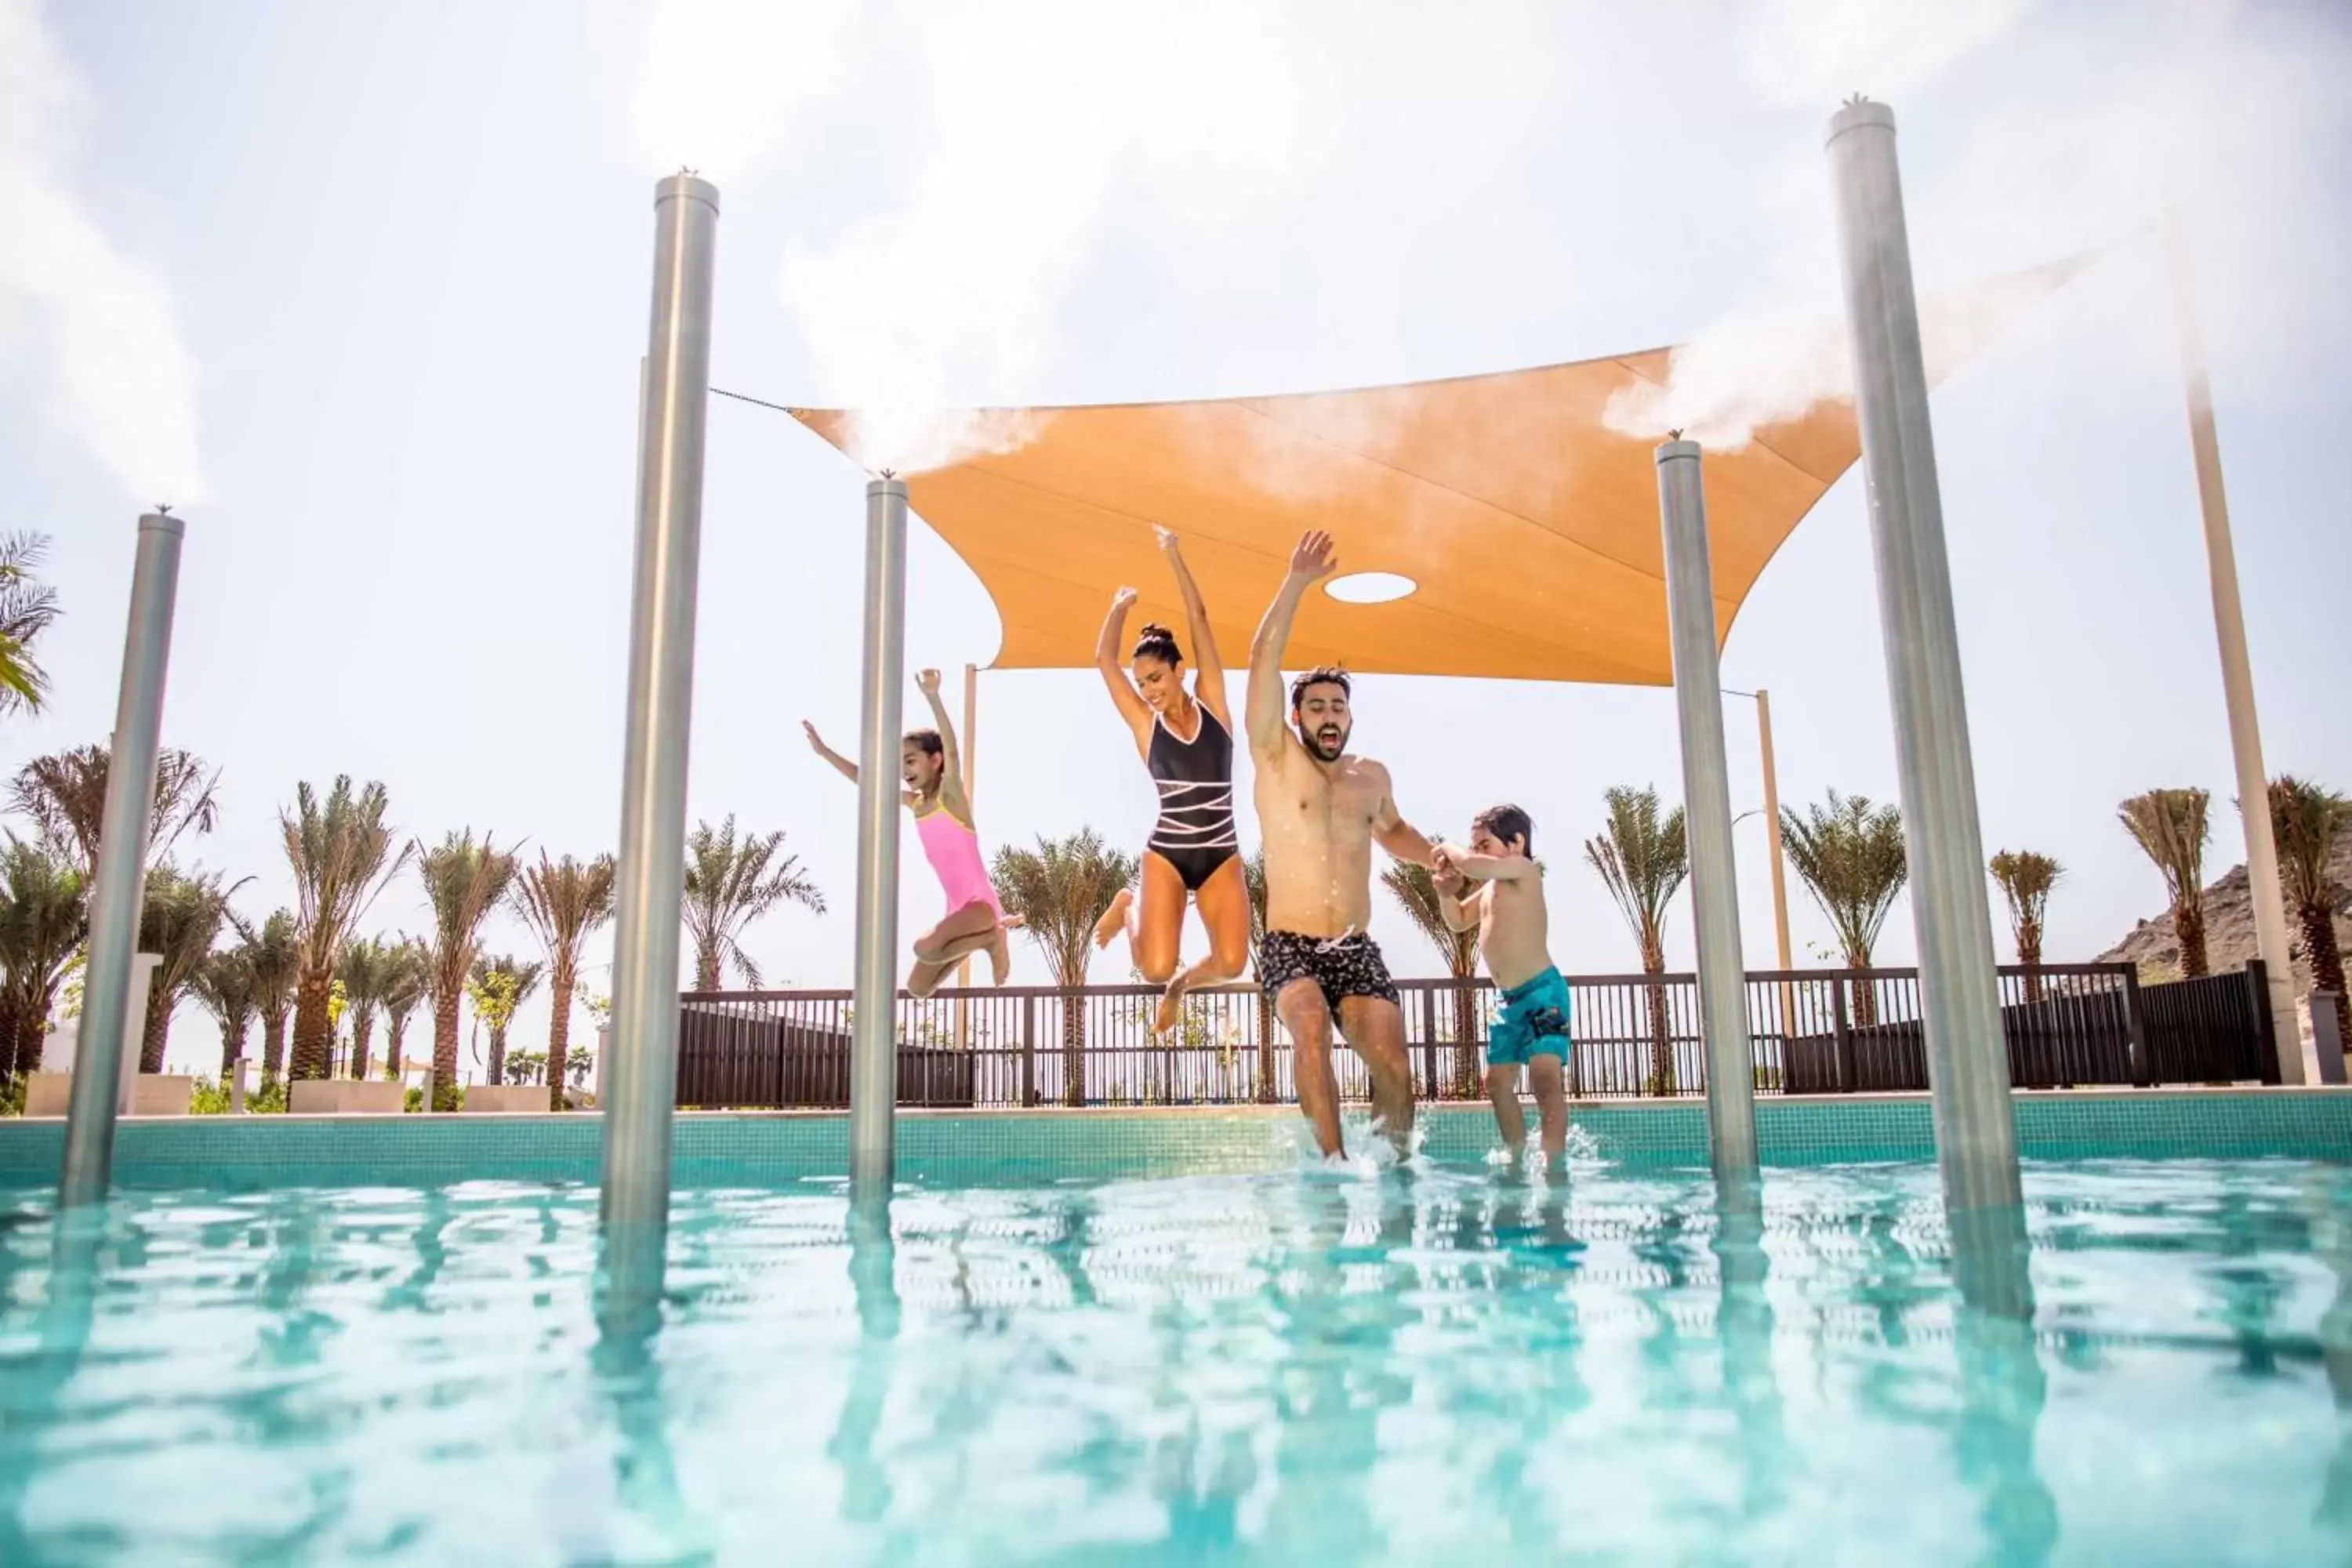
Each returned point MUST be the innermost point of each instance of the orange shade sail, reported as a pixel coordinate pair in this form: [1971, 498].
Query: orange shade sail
[1527, 523]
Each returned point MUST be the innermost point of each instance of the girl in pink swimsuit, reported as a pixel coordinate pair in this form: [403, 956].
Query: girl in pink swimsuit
[930, 764]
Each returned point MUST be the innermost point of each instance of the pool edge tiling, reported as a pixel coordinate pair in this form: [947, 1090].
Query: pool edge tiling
[714, 1148]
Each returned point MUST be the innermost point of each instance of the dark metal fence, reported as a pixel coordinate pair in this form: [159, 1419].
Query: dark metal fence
[1813, 1031]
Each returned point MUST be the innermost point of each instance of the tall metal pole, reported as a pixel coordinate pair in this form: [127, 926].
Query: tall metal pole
[1706, 809]
[2237, 671]
[1772, 828]
[121, 870]
[642, 1080]
[971, 772]
[1968, 1064]
[874, 1038]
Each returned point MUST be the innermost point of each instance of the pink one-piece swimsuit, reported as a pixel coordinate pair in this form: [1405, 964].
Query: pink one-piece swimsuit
[953, 851]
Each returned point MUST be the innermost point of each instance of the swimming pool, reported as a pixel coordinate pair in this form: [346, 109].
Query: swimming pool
[1445, 1363]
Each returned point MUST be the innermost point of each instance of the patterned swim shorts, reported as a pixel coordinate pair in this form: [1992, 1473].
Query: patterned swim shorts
[1342, 966]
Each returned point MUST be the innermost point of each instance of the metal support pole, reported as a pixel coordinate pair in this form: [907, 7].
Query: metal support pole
[1706, 810]
[1968, 1066]
[874, 1034]
[643, 1076]
[1772, 830]
[2271, 943]
[122, 873]
[970, 771]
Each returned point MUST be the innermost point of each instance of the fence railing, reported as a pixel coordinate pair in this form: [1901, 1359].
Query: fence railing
[1812, 1031]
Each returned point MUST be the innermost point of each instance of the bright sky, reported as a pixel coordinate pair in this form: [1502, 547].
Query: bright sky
[363, 291]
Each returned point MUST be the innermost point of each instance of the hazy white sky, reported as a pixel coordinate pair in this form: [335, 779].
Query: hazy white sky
[364, 291]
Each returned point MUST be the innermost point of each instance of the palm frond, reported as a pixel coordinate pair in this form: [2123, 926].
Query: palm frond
[64, 794]
[463, 882]
[2170, 825]
[2307, 819]
[1416, 891]
[1849, 853]
[1061, 890]
[1643, 860]
[729, 883]
[27, 609]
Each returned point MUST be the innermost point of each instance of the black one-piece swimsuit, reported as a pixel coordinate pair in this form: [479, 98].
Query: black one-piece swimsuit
[1195, 830]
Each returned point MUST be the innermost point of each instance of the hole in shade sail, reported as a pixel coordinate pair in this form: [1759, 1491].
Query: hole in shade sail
[1370, 587]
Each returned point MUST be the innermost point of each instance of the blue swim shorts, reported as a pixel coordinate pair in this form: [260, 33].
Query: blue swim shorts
[1534, 1021]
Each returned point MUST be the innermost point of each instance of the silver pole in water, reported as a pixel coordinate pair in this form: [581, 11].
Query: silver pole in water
[643, 1076]
[1707, 807]
[874, 1046]
[1968, 1063]
[122, 871]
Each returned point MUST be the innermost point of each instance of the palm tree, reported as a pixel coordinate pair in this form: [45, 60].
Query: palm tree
[178, 920]
[65, 796]
[497, 987]
[1643, 858]
[44, 920]
[1060, 890]
[2025, 880]
[1850, 856]
[26, 608]
[1417, 891]
[728, 886]
[464, 882]
[224, 984]
[364, 974]
[277, 961]
[342, 853]
[405, 987]
[1254, 879]
[2306, 819]
[564, 902]
[2170, 825]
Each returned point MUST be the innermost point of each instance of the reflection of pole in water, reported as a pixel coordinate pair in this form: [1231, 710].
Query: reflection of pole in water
[1336, 1324]
[2331, 1243]
[873, 1280]
[645, 1470]
[2003, 1388]
[61, 1334]
[1530, 1228]
[1743, 1329]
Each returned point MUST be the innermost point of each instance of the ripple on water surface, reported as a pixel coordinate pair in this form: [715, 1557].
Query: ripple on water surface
[1438, 1365]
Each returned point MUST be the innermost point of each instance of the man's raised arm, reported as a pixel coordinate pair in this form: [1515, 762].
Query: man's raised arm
[1311, 560]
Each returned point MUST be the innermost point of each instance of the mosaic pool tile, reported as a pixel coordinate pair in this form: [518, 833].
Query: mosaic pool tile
[1032, 1146]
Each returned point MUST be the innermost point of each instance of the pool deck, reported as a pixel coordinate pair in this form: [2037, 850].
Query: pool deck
[720, 1147]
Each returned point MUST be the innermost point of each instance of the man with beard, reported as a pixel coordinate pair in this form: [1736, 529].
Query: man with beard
[1319, 812]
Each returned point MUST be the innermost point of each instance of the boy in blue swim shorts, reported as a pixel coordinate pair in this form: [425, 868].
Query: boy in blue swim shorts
[1495, 886]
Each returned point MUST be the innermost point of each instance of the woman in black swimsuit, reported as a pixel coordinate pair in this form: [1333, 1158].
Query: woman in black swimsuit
[1186, 738]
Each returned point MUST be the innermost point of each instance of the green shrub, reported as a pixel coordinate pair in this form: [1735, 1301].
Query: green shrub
[269, 1101]
[207, 1098]
[12, 1097]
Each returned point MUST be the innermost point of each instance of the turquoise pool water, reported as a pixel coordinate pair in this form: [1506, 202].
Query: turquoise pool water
[1443, 1364]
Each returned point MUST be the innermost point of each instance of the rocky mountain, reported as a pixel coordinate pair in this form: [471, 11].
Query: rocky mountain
[2229, 927]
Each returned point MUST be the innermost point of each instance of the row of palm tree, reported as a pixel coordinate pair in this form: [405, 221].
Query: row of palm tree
[2307, 821]
[303, 973]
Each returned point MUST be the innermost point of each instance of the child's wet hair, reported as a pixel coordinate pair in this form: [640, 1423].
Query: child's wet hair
[924, 740]
[1156, 641]
[1506, 823]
